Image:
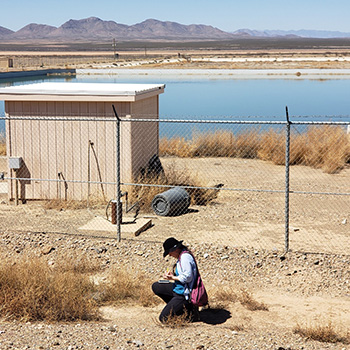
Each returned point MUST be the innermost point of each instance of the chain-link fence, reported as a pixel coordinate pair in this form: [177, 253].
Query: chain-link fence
[22, 62]
[59, 61]
[247, 183]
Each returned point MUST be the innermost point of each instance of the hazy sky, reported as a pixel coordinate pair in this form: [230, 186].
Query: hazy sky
[228, 15]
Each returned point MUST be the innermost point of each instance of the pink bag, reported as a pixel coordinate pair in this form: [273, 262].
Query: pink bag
[199, 296]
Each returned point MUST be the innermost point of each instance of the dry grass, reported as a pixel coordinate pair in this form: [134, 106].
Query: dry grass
[326, 147]
[126, 285]
[247, 300]
[326, 333]
[330, 148]
[71, 204]
[217, 144]
[173, 177]
[227, 294]
[31, 290]
[174, 321]
[78, 265]
[2, 144]
[224, 294]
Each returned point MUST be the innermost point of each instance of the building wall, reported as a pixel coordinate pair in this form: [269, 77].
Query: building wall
[144, 143]
[77, 150]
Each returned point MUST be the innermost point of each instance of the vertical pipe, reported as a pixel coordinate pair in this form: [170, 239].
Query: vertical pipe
[16, 188]
[89, 176]
[59, 186]
[286, 244]
[119, 219]
[114, 212]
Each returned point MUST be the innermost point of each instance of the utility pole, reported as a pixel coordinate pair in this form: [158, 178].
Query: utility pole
[114, 49]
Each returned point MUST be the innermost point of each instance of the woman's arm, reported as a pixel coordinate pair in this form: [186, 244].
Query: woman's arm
[186, 267]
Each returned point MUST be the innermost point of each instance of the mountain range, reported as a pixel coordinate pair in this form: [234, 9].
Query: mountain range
[94, 28]
[302, 33]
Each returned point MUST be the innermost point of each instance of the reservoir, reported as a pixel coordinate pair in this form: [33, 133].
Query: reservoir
[215, 97]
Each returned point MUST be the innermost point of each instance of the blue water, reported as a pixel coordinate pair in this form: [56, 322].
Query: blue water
[246, 99]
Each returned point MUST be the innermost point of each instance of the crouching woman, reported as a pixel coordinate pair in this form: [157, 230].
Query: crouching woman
[175, 289]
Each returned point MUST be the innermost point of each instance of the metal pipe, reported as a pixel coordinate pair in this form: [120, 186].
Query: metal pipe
[114, 212]
[118, 194]
[286, 244]
[89, 175]
[59, 185]
[16, 188]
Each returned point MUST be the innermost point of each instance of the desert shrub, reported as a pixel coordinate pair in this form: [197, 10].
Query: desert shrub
[223, 294]
[172, 177]
[78, 264]
[220, 296]
[176, 321]
[323, 332]
[247, 300]
[272, 147]
[2, 144]
[31, 290]
[220, 143]
[176, 146]
[326, 147]
[72, 204]
[126, 285]
[246, 145]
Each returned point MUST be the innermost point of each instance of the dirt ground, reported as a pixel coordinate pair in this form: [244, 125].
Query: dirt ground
[239, 232]
[249, 211]
[239, 240]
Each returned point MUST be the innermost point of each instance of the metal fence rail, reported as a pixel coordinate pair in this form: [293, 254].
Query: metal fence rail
[310, 204]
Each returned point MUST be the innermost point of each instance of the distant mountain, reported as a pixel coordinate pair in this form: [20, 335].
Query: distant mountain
[94, 28]
[4, 31]
[249, 32]
[311, 33]
[172, 30]
[89, 28]
[293, 33]
[33, 31]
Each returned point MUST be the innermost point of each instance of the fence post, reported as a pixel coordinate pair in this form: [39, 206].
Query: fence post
[286, 240]
[119, 219]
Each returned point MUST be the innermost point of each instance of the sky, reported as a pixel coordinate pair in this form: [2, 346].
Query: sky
[227, 15]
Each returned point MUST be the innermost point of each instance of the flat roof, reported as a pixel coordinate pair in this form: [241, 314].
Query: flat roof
[62, 91]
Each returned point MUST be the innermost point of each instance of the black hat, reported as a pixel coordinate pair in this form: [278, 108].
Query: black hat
[170, 245]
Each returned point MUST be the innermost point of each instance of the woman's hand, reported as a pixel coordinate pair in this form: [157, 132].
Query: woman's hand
[170, 276]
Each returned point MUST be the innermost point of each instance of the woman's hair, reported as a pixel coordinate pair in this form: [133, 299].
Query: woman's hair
[183, 247]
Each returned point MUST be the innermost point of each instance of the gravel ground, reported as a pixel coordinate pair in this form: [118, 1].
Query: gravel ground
[316, 281]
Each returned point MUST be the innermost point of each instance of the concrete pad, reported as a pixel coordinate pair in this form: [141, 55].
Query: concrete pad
[128, 226]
